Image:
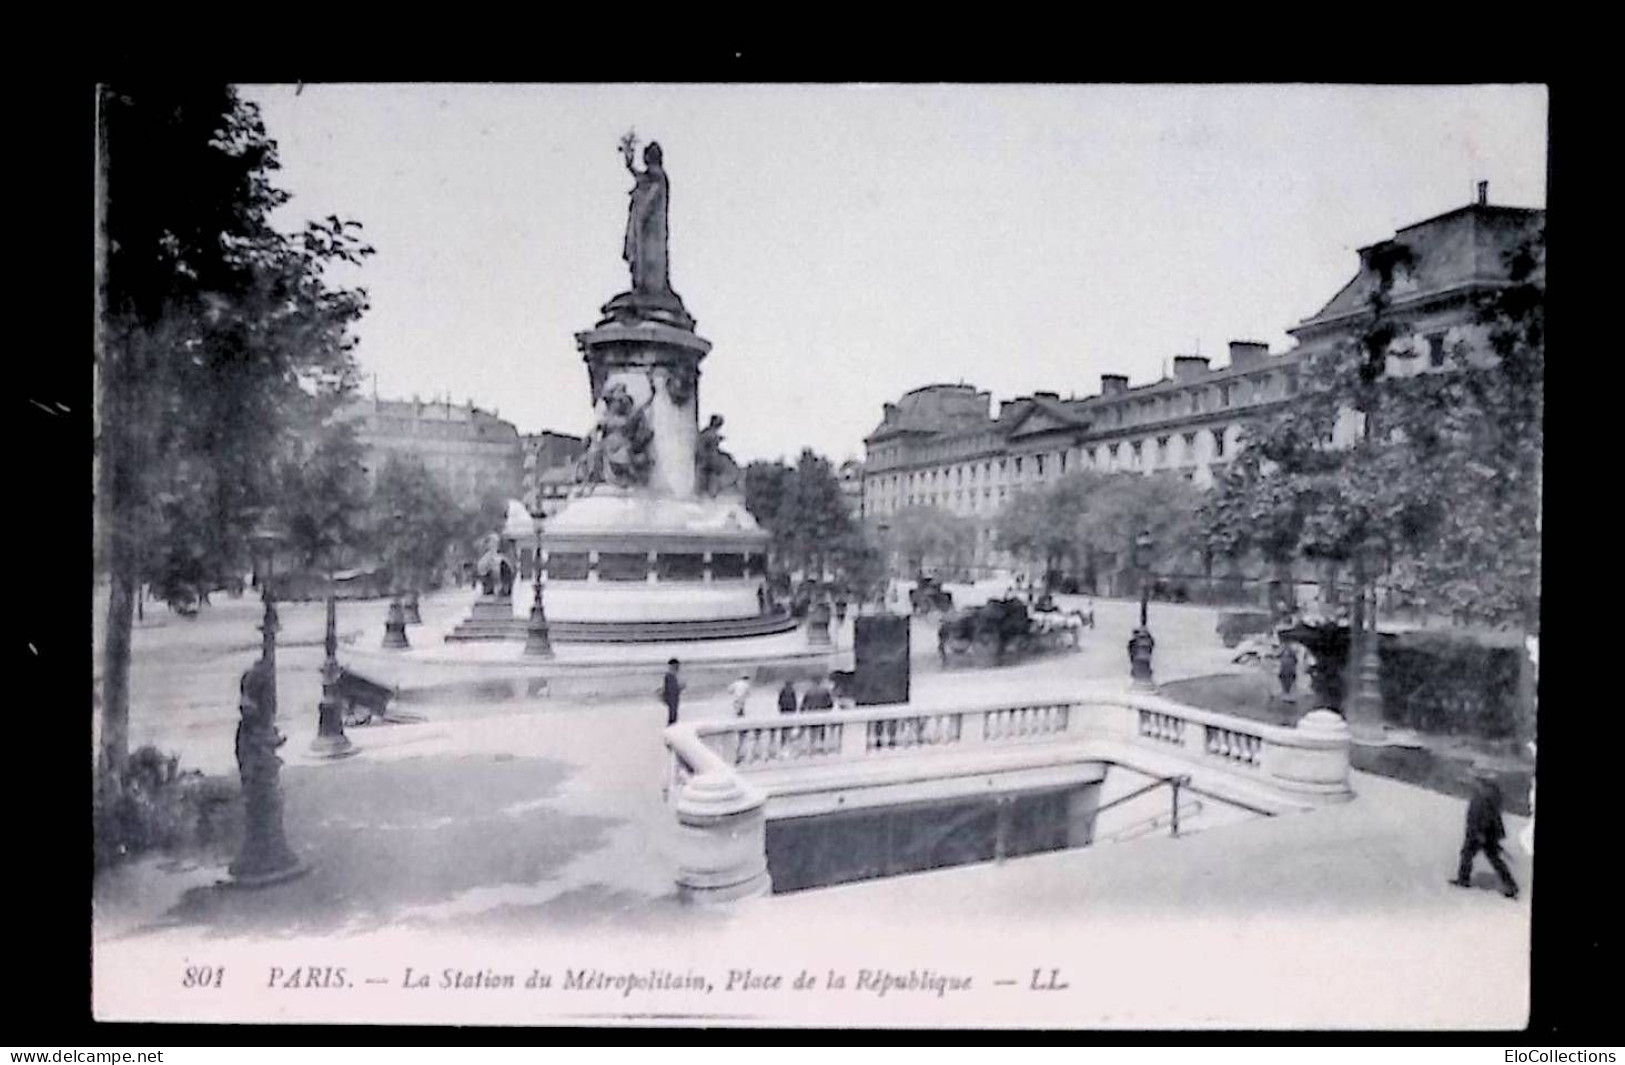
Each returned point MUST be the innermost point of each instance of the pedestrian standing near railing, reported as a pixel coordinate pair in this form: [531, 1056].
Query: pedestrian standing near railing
[787, 698]
[671, 691]
[738, 691]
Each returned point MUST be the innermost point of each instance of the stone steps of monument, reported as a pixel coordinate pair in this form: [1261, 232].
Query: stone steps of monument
[662, 631]
[624, 631]
[512, 629]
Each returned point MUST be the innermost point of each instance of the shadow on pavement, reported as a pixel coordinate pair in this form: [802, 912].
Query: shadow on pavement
[387, 836]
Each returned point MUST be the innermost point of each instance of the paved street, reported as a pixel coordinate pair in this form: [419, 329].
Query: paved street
[493, 823]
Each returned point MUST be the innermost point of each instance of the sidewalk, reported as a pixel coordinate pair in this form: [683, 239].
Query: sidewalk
[495, 830]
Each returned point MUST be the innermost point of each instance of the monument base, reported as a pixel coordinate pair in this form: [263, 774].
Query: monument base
[491, 619]
[266, 879]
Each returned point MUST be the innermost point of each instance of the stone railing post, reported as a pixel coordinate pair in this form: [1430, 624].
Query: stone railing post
[854, 739]
[973, 726]
[722, 839]
[1313, 759]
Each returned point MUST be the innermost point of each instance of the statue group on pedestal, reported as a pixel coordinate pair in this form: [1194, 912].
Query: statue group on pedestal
[619, 451]
[495, 571]
[715, 470]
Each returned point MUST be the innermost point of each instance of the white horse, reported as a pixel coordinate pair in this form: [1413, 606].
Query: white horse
[1056, 623]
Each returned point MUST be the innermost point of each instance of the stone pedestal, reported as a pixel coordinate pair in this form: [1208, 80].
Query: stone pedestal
[659, 366]
[1316, 763]
[722, 840]
[818, 626]
[395, 628]
[1140, 646]
[330, 741]
[538, 641]
[492, 618]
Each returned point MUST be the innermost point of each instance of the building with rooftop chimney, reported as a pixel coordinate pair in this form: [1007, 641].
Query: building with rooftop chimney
[944, 446]
[470, 451]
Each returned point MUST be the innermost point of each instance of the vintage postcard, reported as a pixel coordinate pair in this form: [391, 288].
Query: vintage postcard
[992, 556]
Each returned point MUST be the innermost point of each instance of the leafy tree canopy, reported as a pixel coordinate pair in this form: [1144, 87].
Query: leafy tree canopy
[1433, 475]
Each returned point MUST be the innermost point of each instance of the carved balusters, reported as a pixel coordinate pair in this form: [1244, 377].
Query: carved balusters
[1233, 746]
[1162, 727]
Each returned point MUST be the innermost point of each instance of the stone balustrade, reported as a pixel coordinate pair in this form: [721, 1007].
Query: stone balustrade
[722, 824]
[723, 813]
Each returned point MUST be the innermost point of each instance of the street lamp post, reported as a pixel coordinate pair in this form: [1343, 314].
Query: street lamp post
[1364, 709]
[1141, 643]
[330, 741]
[265, 857]
[395, 623]
[538, 644]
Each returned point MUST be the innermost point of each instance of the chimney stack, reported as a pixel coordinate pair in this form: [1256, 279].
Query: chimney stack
[1187, 367]
[1483, 193]
[1113, 384]
[1245, 353]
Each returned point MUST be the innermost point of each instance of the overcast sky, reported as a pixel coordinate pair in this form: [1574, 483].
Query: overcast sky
[840, 245]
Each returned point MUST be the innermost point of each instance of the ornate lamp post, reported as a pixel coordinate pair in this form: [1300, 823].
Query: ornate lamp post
[1364, 709]
[265, 857]
[330, 741]
[395, 623]
[1141, 644]
[537, 642]
[264, 541]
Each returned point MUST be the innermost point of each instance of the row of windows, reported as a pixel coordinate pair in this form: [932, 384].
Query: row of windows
[1161, 451]
[1198, 400]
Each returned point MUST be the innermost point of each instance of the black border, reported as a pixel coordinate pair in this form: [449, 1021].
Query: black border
[1574, 937]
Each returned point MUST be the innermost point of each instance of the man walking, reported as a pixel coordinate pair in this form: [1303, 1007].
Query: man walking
[671, 691]
[737, 691]
[1485, 831]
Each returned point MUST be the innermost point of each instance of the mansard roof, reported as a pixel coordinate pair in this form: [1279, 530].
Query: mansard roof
[1454, 252]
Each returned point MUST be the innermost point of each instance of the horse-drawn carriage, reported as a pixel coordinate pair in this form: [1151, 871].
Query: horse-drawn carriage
[1002, 627]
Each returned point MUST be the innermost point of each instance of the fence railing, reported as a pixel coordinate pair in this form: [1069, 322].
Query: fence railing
[1221, 741]
[726, 770]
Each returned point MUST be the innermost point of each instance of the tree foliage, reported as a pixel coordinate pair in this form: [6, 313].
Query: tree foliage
[930, 538]
[1089, 520]
[805, 511]
[1432, 475]
[323, 495]
[415, 521]
[213, 327]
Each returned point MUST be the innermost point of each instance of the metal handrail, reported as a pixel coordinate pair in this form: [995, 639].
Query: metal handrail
[1150, 824]
[1176, 782]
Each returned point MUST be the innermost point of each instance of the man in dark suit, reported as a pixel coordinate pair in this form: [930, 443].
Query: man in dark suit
[1484, 833]
[671, 691]
[818, 697]
[787, 698]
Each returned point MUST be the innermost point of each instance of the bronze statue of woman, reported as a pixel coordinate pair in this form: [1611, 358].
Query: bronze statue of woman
[645, 247]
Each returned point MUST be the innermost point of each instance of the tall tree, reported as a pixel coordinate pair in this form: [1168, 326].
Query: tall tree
[416, 522]
[1045, 525]
[212, 323]
[930, 536]
[323, 494]
[1435, 475]
[802, 507]
[766, 486]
